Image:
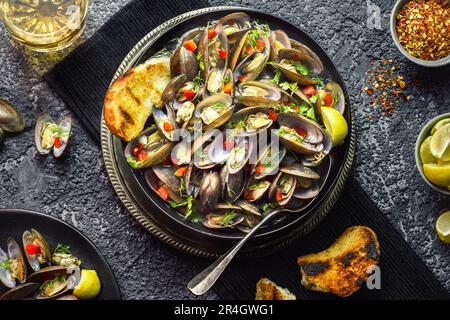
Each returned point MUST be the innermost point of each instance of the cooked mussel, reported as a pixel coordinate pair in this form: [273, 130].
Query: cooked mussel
[331, 96]
[36, 249]
[223, 218]
[215, 110]
[269, 161]
[250, 121]
[184, 62]
[298, 67]
[282, 188]
[218, 50]
[12, 265]
[234, 22]
[278, 40]
[239, 156]
[259, 93]
[54, 282]
[163, 190]
[232, 185]
[299, 134]
[50, 135]
[252, 65]
[300, 47]
[148, 149]
[209, 191]
[256, 190]
[11, 120]
[201, 149]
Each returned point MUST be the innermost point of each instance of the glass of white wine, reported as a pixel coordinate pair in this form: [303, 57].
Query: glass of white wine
[44, 25]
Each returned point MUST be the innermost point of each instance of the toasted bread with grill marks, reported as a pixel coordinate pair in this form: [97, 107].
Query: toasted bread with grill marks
[269, 290]
[131, 98]
[342, 268]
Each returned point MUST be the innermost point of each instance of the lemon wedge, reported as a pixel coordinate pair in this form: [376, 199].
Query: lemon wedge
[425, 152]
[89, 286]
[437, 174]
[335, 124]
[440, 143]
[443, 227]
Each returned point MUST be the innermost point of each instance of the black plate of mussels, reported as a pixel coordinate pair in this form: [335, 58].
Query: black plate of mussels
[44, 258]
[262, 75]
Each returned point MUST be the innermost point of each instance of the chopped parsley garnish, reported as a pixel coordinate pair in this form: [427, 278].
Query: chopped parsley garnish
[201, 64]
[228, 219]
[314, 98]
[289, 86]
[133, 162]
[319, 82]
[6, 264]
[301, 68]
[267, 206]
[60, 248]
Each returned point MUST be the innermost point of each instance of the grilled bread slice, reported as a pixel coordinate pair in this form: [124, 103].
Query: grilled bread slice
[131, 98]
[342, 268]
[268, 290]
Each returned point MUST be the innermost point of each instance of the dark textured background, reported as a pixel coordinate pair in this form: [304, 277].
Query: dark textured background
[77, 190]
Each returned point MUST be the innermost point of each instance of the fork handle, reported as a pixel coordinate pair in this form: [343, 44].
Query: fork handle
[202, 282]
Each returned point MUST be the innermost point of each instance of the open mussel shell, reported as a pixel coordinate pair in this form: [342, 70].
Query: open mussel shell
[311, 143]
[252, 65]
[238, 39]
[215, 110]
[239, 156]
[256, 120]
[217, 44]
[258, 93]
[303, 56]
[18, 261]
[338, 96]
[21, 292]
[66, 125]
[248, 207]
[316, 159]
[224, 218]
[270, 160]
[299, 170]
[181, 153]
[166, 122]
[44, 256]
[278, 40]
[234, 22]
[184, 62]
[285, 184]
[156, 146]
[248, 223]
[11, 120]
[192, 180]
[209, 190]
[155, 183]
[256, 189]
[232, 185]
[201, 148]
[5, 275]
[57, 275]
[300, 47]
[40, 124]
[286, 56]
[307, 193]
[172, 88]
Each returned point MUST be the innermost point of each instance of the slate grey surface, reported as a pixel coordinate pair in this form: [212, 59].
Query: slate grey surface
[77, 190]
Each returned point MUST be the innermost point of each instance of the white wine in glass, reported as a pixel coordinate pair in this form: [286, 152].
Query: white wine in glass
[44, 25]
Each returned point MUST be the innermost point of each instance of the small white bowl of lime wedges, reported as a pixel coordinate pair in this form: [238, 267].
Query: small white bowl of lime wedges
[433, 153]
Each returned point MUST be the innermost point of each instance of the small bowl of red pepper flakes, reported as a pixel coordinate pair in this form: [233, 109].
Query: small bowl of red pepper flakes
[421, 31]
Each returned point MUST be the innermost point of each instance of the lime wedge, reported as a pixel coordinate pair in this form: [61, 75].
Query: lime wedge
[439, 124]
[440, 143]
[425, 152]
[437, 174]
[443, 227]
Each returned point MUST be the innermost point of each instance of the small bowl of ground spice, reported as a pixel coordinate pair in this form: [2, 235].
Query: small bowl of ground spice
[421, 31]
